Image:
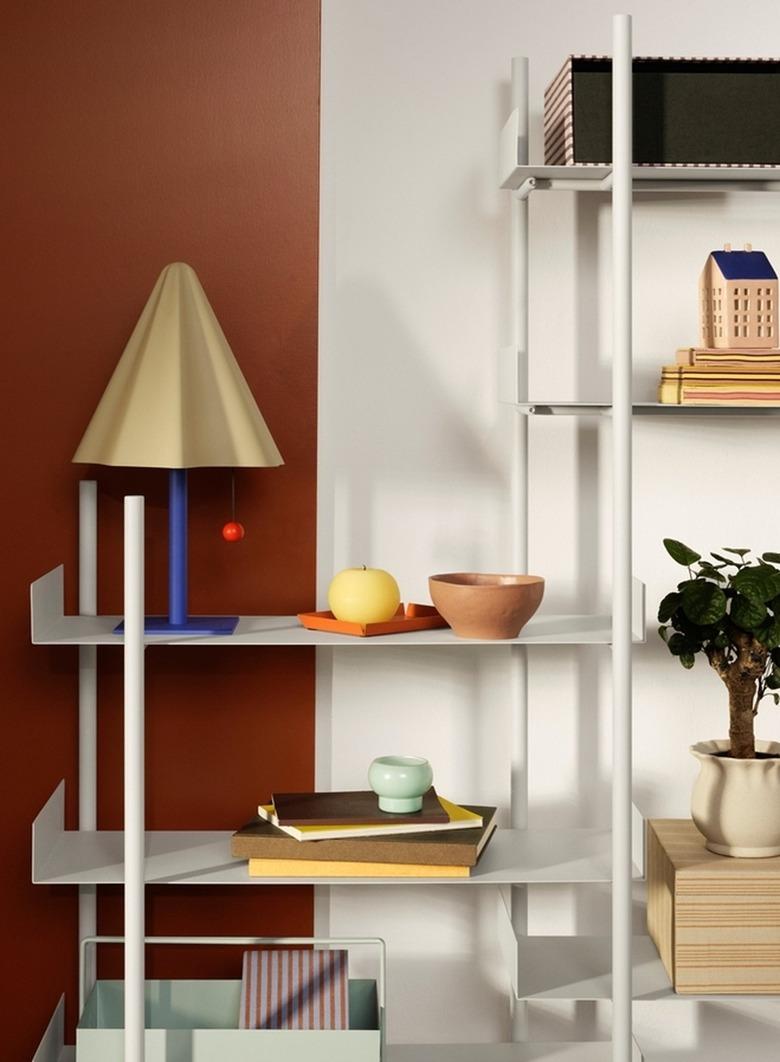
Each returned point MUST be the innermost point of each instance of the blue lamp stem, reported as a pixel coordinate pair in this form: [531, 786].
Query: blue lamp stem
[177, 547]
[178, 621]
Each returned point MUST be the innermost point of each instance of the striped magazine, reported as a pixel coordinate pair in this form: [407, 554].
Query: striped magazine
[294, 989]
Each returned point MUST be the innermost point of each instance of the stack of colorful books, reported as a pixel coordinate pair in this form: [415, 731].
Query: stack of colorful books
[304, 835]
[726, 377]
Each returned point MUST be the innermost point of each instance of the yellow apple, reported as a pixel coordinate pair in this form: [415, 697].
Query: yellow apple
[363, 595]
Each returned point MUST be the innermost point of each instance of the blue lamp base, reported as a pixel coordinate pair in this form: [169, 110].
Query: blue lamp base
[203, 625]
[178, 621]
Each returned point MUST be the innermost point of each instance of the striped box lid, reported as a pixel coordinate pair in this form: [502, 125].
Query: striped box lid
[294, 989]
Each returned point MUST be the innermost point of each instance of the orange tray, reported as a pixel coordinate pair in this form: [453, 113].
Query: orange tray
[411, 618]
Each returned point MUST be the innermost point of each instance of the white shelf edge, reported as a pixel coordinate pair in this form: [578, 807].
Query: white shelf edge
[640, 409]
[551, 1051]
[50, 626]
[517, 176]
[52, 1047]
[188, 857]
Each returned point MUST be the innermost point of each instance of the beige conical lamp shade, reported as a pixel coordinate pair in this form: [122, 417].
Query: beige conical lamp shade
[177, 398]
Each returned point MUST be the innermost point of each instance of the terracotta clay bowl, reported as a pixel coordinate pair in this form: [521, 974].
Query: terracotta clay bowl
[486, 606]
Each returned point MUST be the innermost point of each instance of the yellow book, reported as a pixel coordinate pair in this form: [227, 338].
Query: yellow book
[460, 819]
[321, 868]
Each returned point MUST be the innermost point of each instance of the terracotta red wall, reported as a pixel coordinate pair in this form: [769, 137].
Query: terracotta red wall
[137, 133]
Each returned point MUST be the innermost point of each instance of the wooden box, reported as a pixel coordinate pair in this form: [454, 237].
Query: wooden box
[715, 920]
[706, 112]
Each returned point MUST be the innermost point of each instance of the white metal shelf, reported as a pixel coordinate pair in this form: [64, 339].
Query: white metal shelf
[189, 857]
[572, 1051]
[53, 1049]
[578, 968]
[642, 409]
[50, 626]
[516, 175]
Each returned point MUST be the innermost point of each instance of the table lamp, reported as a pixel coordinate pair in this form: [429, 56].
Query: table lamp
[178, 400]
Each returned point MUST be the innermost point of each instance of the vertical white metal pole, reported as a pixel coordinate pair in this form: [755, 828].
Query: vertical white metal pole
[622, 159]
[134, 779]
[519, 501]
[88, 704]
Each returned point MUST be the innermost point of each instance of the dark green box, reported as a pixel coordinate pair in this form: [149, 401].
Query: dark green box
[686, 112]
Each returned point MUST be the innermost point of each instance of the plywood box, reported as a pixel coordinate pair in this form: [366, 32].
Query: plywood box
[715, 920]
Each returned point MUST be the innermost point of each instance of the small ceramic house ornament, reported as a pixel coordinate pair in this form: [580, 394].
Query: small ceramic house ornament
[738, 291]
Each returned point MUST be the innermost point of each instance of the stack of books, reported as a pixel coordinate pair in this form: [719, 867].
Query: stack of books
[731, 377]
[303, 835]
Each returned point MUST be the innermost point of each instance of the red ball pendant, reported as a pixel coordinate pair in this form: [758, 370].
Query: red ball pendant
[233, 531]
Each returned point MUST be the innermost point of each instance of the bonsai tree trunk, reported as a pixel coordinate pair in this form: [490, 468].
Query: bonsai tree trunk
[741, 677]
[742, 693]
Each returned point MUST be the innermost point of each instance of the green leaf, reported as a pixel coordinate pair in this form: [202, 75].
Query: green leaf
[746, 614]
[681, 553]
[758, 584]
[703, 602]
[662, 632]
[680, 644]
[708, 570]
[772, 558]
[668, 607]
[769, 633]
[687, 660]
[773, 680]
[738, 552]
[721, 640]
[725, 560]
[776, 698]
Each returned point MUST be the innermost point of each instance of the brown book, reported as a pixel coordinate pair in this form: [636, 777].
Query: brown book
[261, 840]
[360, 807]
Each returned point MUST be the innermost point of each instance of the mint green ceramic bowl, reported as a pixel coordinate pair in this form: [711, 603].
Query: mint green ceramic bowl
[400, 782]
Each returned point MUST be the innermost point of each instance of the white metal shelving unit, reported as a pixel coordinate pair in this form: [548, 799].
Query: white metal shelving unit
[621, 968]
[624, 969]
[88, 857]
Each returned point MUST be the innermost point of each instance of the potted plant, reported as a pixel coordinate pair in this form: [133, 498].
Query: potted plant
[728, 609]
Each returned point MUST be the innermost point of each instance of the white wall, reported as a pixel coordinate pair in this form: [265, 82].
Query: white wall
[414, 449]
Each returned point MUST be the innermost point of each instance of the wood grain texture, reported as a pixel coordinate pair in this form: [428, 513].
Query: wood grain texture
[715, 920]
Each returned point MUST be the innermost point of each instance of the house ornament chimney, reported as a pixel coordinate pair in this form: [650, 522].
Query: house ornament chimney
[748, 246]
[726, 246]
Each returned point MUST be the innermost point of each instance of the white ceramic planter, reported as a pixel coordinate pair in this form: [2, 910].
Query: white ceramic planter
[736, 803]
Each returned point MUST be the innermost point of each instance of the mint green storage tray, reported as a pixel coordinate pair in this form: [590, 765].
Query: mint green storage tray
[197, 1021]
